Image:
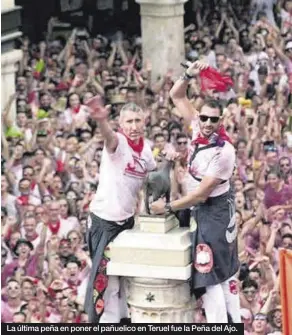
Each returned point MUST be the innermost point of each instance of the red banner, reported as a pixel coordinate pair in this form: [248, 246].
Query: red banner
[286, 289]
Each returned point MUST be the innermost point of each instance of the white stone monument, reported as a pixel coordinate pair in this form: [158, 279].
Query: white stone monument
[162, 26]
[156, 257]
[10, 15]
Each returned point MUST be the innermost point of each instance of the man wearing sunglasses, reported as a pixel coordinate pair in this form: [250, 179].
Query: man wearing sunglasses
[211, 163]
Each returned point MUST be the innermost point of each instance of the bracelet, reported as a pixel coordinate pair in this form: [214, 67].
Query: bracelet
[186, 76]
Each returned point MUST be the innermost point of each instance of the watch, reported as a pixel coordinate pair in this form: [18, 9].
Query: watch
[168, 208]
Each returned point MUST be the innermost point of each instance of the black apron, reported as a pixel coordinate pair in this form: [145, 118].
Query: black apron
[100, 234]
[214, 242]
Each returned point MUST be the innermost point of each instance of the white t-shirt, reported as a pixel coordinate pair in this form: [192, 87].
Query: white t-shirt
[218, 162]
[121, 178]
[65, 227]
[80, 117]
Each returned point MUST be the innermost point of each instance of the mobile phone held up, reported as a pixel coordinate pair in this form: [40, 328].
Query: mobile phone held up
[269, 146]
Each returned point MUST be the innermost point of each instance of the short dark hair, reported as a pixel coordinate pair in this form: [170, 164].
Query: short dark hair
[23, 179]
[231, 101]
[158, 135]
[181, 135]
[73, 259]
[212, 103]
[258, 271]
[174, 125]
[249, 283]
[27, 167]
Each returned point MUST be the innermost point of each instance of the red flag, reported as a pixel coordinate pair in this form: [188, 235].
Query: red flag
[211, 79]
[286, 284]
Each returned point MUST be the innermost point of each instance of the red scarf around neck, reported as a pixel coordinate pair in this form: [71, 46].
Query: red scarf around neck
[24, 199]
[137, 147]
[32, 185]
[76, 110]
[54, 227]
[220, 136]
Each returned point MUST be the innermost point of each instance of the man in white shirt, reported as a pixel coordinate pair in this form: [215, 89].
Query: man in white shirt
[126, 161]
[211, 163]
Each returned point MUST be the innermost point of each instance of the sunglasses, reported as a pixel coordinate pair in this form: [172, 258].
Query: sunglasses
[183, 142]
[204, 118]
[283, 165]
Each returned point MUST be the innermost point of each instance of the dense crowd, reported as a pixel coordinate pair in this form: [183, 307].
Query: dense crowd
[51, 154]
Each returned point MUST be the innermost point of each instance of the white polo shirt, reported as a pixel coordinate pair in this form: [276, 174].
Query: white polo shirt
[218, 162]
[121, 178]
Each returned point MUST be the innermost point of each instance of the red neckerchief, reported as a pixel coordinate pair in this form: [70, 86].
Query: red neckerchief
[32, 184]
[33, 237]
[200, 140]
[65, 217]
[137, 147]
[60, 166]
[76, 110]
[54, 227]
[219, 137]
[51, 292]
[73, 285]
[24, 199]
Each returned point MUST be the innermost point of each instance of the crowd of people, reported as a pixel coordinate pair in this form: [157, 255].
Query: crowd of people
[51, 154]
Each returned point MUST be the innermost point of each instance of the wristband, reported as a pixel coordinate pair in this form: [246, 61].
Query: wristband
[186, 77]
[168, 208]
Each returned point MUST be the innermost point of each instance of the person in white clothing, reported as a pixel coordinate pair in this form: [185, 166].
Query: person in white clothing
[211, 164]
[126, 161]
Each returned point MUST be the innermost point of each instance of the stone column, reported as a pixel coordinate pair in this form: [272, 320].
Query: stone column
[162, 26]
[8, 68]
[10, 16]
[155, 257]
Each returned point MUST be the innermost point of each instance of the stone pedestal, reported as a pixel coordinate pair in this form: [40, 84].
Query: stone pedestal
[158, 266]
[162, 29]
[160, 301]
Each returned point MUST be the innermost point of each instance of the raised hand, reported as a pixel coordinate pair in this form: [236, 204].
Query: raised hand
[97, 110]
[195, 68]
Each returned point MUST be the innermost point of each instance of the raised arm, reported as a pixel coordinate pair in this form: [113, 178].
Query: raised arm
[100, 114]
[179, 89]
